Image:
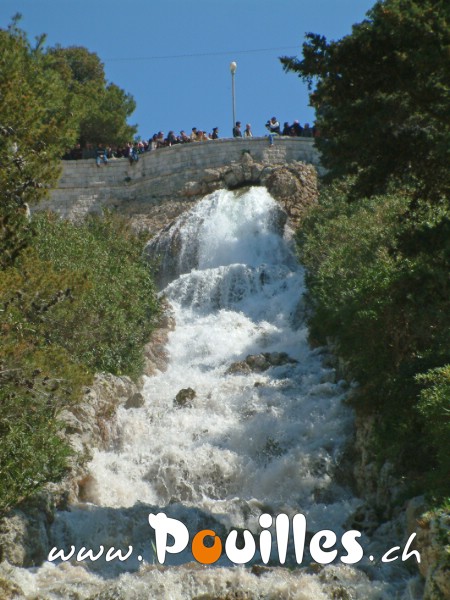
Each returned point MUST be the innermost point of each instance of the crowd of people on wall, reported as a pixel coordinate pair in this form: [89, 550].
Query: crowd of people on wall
[132, 150]
[273, 127]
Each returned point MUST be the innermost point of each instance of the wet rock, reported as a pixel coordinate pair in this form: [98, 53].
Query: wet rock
[272, 448]
[24, 538]
[211, 175]
[86, 486]
[256, 170]
[240, 367]
[163, 252]
[155, 353]
[184, 398]
[301, 313]
[153, 218]
[232, 178]
[313, 568]
[279, 219]
[432, 540]
[337, 584]
[135, 401]
[90, 422]
[340, 593]
[247, 159]
[258, 363]
[259, 570]
[156, 357]
[295, 187]
[194, 188]
[364, 519]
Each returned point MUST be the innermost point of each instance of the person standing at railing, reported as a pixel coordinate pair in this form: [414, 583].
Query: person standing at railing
[297, 129]
[307, 131]
[237, 130]
[287, 129]
[133, 155]
[248, 131]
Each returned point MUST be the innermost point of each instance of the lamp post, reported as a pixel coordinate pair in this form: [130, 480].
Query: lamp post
[233, 67]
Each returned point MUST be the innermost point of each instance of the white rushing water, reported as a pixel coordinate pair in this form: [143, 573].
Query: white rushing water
[248, 442]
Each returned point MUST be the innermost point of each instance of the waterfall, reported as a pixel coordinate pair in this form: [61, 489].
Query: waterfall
[270, 439]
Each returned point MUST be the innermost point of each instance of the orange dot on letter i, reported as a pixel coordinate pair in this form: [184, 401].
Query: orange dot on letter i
[202, 553]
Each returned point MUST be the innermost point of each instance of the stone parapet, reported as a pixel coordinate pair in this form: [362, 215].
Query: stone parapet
[164, 175]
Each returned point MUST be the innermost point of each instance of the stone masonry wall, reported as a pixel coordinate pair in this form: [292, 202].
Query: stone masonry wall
[162, 176]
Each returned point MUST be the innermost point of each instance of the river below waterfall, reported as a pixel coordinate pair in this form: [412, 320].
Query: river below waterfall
[249, 441]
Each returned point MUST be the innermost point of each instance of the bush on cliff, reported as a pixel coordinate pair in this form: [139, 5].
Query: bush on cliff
[80, 300]
[73, 300]
[381, 96]
[377, 247]
[50, 99]
[379, 286]
[434, 406]
[114, 303]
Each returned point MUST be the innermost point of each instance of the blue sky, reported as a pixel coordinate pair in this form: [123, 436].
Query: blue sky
[173, 56]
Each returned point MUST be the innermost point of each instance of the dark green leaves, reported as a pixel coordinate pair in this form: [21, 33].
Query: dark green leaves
[382, 96]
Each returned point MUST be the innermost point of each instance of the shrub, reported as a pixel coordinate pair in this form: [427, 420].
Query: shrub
[80, 300]
[377, 272]
[114, 302]
[434, 406]
[37, 379]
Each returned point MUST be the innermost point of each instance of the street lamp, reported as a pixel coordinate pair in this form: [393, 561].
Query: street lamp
[233, 67]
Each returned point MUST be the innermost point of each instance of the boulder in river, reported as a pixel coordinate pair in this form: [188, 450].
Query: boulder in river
[184, 398]
[257, 363]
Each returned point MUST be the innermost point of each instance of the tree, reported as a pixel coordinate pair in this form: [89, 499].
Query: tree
[36, 123]
[64, 309]
[105, 121]
[376, 247]
[103, 108]
[382, 96]
[50, 100]
[78, 66]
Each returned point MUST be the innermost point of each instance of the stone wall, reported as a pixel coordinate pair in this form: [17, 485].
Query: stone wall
[161, 176]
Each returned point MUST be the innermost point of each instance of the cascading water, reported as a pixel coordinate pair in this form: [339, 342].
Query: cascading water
[248, 441]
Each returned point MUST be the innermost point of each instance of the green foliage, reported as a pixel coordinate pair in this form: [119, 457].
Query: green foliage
[36, 379]
[36, 123]
[31, 451]
[434, 406]
[382, 95]
[377, 247]
[80, 300]
[78, 66]
[50, 100]
[73, 300]
[102, 108]
[379, 285]
[112, 310]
